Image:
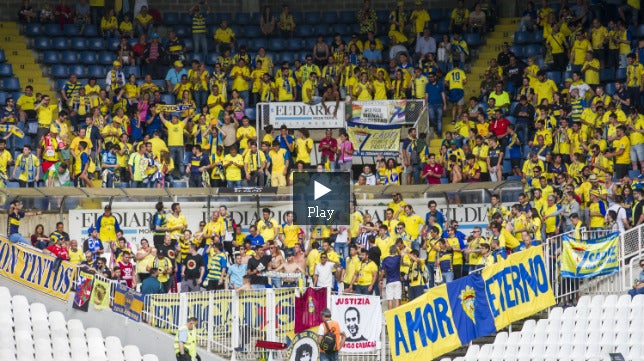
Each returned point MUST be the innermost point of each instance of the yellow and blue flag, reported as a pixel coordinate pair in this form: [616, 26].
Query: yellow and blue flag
[470, 310]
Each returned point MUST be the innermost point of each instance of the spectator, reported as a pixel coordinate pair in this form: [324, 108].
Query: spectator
[267, 21]
[151, 284]
[286, 23]
[224, 37]
[109, 24]
[144, 22]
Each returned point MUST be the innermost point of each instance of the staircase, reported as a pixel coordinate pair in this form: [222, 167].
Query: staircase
[503, 31]
[21, 59]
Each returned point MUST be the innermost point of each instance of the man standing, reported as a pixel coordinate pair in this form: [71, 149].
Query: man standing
[257, 265]
[217, 267]
[390, 272]
[329, 325]
[436, 102]
[198, 163]
[151, 285]
[323, 276]
[192, 270]
[159, 225]
[366, 277]
[185, 341]
[107, 225]
[176, 223]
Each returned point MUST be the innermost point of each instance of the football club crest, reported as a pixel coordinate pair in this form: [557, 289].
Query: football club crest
[468, 302]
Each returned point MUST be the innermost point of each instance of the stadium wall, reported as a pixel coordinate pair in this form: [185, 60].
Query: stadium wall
[146, 338]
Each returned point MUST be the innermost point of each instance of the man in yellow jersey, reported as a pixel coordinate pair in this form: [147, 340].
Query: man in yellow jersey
[290, 234]
[285, 86]
[353, 263]
[455, 81]
[268, 227]
[26, 104]
[590, 69]
[45, 112]
[580, 46]
[598, 40]
[278, 164]
[364, 280]
[224, 37]
[176, 222]
[255, 166]
[413, 222]
[635, 80]
[175, 140]
[636, 127]
[621, 153]
[597, 212]
[245, 133]
[543, 88]
[432, 248]
[557, 44]
[240, 74]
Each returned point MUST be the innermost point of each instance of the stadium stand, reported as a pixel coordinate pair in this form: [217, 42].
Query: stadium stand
[596, 327]
[29, 332]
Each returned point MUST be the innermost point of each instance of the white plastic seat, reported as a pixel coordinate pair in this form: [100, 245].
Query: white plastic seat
[583, 303]
[60, 346]
[41, 335]
[93, 332]
[113, 348]
[610, 301]
[43, 350]
[552, 350]
[24, 344]
[57, 323]
[38, 311]
[7, 355]
[150, 357]
[635, 352]
[75, 328]
[556, 313]
[529, 325]
[131, 353]
[472, 352]
[485, 352]
[538, 350]
[597, 302]
[6, 318]
[501, 338]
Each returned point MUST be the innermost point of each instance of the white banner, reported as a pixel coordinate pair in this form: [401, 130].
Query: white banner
[134, 218]
[360, 318]
[379, 112]
[301, 115]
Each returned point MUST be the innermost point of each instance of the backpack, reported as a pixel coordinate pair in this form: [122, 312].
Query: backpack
[151, 223]
[328, 344]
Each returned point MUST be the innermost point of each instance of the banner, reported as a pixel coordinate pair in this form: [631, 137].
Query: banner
[34, 270]
[83, 291]
[308, 307]
[128, 302]
[252, 310]
[378, 111]
[590, 258]
[304, 347]
[359, 318]
[101, 293]
[372, 140]
[174, 108]
[301, 115]
[451, 315]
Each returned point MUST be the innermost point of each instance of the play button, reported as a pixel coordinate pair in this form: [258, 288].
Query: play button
[321, 198]
[319, 190]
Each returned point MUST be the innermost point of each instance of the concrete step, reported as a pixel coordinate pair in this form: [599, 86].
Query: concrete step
[8, 25]
[508, 21]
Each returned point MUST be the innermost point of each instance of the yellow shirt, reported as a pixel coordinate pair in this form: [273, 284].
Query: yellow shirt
[579, 49]
[132, 90]
[365, 273]
[215, 228]
[355, 222]
[278, 160]
[456, 246]
[637, 137]
[5, 159]
[592, 76]
[380, 90]
[286, 89]
[224, 35]
[291, 234]
[175, 133]
[267, 229]
[412, 224]
[109, 24]
[308, 86]
[421, 19]
[634, 75]
[77, 256]
[46, 114]
[456, 79]
[233, 173]
[143, 19]
[625, 144]
[251, 159]
[352, 266]
[26, 102]
[126, 26]
[173, 221]
[303, 149]
[556, 42]
[239, 75]
[597, 37]
[544, 90]
[384, 244]
[481, 151]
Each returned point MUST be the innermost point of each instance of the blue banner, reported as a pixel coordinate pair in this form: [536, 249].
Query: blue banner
[470, 310]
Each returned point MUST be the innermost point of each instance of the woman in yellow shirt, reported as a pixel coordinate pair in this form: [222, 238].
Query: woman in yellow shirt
[132, 91]
[364, 88]
[126, 28]
[286, 23]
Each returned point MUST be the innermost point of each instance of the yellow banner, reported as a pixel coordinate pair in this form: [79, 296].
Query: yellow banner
[371, 140]
[518, 286]
[100, 294]
[422, 329]
[590, 258]
[453, 314]
[33, 269]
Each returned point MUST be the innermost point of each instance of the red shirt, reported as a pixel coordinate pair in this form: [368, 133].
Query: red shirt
[127, 273]
[332, 143]
[436, 169]
[59, 251]
[499, 127]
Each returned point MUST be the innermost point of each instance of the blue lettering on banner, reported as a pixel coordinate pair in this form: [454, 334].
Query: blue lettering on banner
[515, 283]
[428, 324]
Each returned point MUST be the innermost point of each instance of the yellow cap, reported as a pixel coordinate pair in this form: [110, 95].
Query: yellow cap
[400, 3]
[178, 63]
[116, 63]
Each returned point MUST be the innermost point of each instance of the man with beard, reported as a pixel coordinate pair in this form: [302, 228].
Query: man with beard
[352, 322]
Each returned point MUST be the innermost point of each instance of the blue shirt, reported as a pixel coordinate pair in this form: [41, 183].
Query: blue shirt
[109, 158]
[375, 55]
[154, 125]
[256, 241]
[237, 273]
[440, 219]
[391, 266]
[151, 285]
[435, 92]
[283, 145]
[174, 76]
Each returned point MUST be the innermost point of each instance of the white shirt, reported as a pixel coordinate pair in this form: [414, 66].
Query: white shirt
[621, 215]
[425, 46]
[325, 274]
[583, 88]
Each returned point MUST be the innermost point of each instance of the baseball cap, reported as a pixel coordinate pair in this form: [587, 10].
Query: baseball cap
[178, 63]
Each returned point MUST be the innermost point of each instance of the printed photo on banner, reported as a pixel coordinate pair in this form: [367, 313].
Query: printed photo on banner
[379, 111]
[301, 115]
[589, 258]
[304, 347]
[453, 314]
[100, 294]
[371, 140]
[34, 270]
[359, 319]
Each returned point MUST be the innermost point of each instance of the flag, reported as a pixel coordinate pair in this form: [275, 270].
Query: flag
[101, 294]
[470, 310]
[83, 292]
[590, 258]
[308, 307]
